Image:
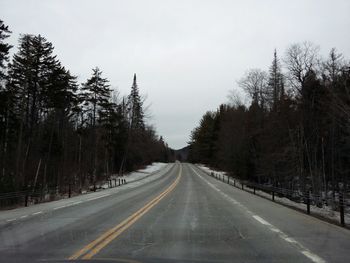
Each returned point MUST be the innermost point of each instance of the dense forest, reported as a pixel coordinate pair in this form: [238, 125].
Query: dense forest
[295, 130]
[56, 133]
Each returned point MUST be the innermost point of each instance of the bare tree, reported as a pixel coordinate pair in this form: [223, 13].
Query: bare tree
[236, 98]
[300, 59]
[254, 83]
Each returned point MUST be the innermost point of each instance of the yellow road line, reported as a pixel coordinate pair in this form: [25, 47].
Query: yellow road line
[95, 246]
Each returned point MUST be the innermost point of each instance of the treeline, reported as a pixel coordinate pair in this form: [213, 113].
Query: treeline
[56, 133]
[295, 131]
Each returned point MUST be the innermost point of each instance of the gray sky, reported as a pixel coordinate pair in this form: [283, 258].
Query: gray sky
[187, 54]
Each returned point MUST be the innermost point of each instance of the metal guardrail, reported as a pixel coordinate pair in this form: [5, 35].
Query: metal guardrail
[307, 197]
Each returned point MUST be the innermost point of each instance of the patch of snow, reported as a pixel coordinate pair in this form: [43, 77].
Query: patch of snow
[142, 173]
[148, 174]
[324, 211]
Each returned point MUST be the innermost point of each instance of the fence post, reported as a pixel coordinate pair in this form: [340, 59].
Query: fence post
[118, 181]
[69, 191]
[308, 202]
[26, 199]
[341, 209]
[242, 186]
[273, 195]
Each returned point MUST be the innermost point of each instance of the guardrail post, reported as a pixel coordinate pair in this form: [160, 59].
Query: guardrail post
[69, 191]
[26, 200]
[118, 181]
[254, 189]
[341, 209]
[308, 203]
[273, 195]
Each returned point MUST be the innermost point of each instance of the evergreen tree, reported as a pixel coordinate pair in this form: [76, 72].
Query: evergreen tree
[4, 104]
[135, 108]
[29, 75]
[275, 82]
[202, 138]
[4, 50]
[96, 95]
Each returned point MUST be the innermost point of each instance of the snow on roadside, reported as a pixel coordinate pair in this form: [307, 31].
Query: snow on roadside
[139, 174]
[148, 174]
[148, 170]
[325, 211]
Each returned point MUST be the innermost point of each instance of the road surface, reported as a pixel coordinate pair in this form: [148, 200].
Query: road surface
[183, 215]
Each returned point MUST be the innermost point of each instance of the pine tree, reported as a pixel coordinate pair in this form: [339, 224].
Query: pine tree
[96, 94]
[135, 108]
[4, 50]
[29, 75]
[4, 99]
[275, 82]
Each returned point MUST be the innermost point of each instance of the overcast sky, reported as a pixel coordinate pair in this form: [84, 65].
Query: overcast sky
[187, 54]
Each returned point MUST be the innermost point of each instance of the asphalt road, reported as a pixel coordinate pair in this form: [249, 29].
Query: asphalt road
[182, 216]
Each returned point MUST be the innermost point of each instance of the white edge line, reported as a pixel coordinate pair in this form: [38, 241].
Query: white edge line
[313, 257]
[59, 207]
[79, 202]
[281, 234]
[37, 213]
[98, 197]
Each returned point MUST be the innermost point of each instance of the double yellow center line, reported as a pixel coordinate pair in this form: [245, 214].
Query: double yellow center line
[95, 246]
